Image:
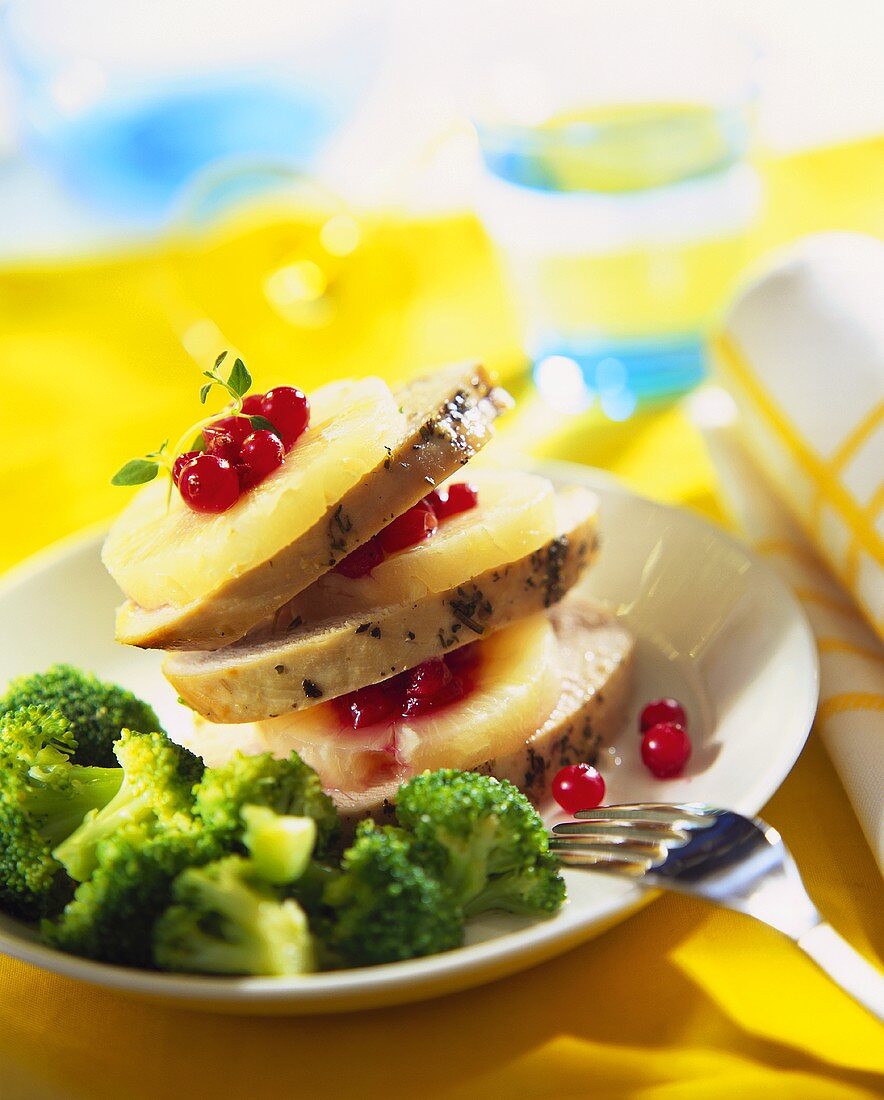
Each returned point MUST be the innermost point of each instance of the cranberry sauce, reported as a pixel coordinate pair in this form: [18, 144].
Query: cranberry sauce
[417, 524]
[425, 689]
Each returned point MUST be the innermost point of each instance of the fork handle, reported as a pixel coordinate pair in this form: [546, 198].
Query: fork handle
[845, 966]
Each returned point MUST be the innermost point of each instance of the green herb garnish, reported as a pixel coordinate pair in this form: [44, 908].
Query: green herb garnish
[144, 468]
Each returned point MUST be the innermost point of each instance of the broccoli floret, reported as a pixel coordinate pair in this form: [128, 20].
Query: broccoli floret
[97, 711]
[385, 906]
[158, 781]
[43, 798]
[112, 915]
[484, 839]
[309, 889]
[280, 845]
[285, 786]
[226, 920]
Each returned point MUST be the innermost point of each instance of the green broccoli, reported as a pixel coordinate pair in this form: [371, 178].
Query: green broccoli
[112, 915]
[484, 839]
[225, 919]
[157, 788]
[97, 711]
[280, 845]
[287, 786]
[384, 906]
[43, 798]
[308, 890]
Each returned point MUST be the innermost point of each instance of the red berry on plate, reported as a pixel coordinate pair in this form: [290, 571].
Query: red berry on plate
[253, 405]
[412, 527]
[578, 787]
[666, 748]
[453, 499]
[361, 561]
[288, 410]
[260, 454]
[662, 710]
[180, 462]
[209, 484]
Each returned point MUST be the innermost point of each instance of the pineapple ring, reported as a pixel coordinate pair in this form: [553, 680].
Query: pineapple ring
[517, 685]
[163, 556]
[514, 517]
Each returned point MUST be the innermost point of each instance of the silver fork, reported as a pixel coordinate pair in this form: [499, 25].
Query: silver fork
[737, 862]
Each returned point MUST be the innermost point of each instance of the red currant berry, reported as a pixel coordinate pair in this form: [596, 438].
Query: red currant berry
[662, 710]
[180, 462]
[260, 454]
[361, 561]
[453, 499]
[412, 527]
[253, 405]
[431, 685]
[288, 410]
[429, 678]
[578, 787]
[239, 427]
[221, 444]
[666, 748]
[370, 705]
[209, 484]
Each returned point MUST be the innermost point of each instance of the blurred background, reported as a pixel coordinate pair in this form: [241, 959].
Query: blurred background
[568, 191]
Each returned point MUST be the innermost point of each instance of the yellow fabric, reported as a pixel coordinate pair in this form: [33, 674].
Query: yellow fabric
[678, 1002]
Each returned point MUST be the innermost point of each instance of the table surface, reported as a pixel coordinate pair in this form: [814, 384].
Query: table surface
[678, 1001]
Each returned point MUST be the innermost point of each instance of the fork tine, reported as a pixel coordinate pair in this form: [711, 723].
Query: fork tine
[688, 816]
[621, 846]
[633, 830]
[604, 860]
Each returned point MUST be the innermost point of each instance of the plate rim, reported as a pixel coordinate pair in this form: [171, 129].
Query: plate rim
[413, 979]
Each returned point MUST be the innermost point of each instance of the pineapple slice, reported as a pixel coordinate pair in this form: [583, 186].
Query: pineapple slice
[515, 516]
[295, 669]
[548, 691]
[516, 687]
[443, 419]
[172, 555]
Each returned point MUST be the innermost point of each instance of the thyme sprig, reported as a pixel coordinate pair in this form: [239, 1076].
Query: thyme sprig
[138, 471]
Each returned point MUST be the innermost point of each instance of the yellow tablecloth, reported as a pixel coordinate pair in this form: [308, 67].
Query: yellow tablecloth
[679, 1001]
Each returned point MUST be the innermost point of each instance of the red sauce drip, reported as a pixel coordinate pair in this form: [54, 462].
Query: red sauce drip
[425, 689]
[417, 524]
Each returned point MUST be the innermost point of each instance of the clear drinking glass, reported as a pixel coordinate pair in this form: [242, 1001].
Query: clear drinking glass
[260, 260]
[618, 184]
[128, 101]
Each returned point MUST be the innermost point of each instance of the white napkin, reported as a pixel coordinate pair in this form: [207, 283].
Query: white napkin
[850, 718]
[802, 353]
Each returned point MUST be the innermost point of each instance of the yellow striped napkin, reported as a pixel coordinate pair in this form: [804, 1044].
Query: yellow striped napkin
[800, 455]
[802, 352]
[850, 718]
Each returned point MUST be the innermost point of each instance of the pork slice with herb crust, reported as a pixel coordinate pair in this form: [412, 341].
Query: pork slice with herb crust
[434, 425]
[549, 690]
[320, 661]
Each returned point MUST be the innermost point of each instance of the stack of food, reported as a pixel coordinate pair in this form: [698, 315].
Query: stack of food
[369, 607]
[362, 633]
[326, 579]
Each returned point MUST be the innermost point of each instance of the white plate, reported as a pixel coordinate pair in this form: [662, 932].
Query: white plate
[715, 628]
